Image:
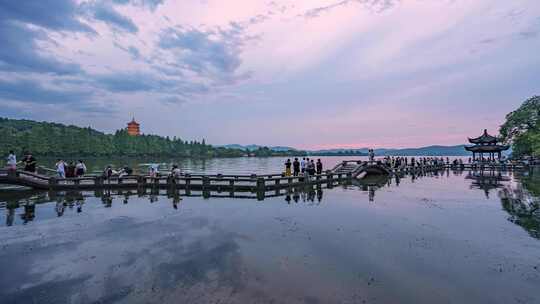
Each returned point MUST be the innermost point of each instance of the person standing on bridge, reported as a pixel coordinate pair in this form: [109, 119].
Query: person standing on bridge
[61, 168]
[11, 161]
[312, 167]
[288, 165]
[296, 167]
[29, 163]
[371, 154]
[80, 168]
[319, 167]
[303, 164]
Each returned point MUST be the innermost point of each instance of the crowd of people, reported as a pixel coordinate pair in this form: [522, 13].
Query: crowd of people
[29, 162]
[62, 168]
[153, 171]
[306, 167]
[70, 169]
[400, 161]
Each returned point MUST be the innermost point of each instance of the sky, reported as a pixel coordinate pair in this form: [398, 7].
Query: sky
[310, 74]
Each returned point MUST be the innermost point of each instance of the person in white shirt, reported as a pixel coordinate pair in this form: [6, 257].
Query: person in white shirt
[80, 168]
[303, 165]
[61, 168]
[176, 172]
[12, 161]
[154, 170]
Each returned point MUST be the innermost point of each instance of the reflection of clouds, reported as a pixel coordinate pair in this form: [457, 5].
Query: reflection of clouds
[99, 261]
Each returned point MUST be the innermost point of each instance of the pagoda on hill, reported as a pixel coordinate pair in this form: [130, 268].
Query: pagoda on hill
[133, 128]
[486, 144]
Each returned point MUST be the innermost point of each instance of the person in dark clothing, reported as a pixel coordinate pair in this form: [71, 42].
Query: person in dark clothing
[296, 167]
[319, 166]
[311, 167]
[288, 167]
[29, 163]
[108, 172]
[70, 170]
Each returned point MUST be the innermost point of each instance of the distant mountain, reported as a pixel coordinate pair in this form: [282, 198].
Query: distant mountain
[435, 150]
[255, 147]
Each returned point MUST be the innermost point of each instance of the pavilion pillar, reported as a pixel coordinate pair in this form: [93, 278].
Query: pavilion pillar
[499, 155]
[473, 156]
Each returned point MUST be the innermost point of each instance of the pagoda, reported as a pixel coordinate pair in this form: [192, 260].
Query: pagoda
[486, 144]
[133, 128]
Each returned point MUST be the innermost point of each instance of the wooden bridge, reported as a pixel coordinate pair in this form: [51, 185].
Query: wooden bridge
[219, 182]
[360, 169]
[347, 170]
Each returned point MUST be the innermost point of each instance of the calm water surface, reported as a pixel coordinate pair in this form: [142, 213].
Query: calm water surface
[454, 237]
[236, 165]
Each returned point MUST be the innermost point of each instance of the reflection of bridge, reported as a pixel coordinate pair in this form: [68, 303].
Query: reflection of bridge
[311, 193]
[74, 200]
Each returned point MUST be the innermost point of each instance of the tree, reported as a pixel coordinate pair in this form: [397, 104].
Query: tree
[522, 129]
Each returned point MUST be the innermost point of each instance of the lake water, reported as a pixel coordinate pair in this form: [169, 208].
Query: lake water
[451, 237]
[236, 165]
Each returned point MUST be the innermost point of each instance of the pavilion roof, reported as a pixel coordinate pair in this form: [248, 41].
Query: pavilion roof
[484, 139]
[133, 122]
[487, 148]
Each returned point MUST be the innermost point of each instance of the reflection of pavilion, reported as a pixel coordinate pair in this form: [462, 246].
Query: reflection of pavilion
[486, 144]
[487, 180]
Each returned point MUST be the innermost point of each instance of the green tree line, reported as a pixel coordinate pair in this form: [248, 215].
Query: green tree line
[522, 129]
[53, 139]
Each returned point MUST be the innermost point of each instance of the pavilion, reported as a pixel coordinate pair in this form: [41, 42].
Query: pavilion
[486, 144]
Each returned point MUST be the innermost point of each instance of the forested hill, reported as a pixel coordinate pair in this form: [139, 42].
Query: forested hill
[53, 139]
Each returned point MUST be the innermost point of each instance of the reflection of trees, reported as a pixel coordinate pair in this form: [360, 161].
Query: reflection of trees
[522, 202]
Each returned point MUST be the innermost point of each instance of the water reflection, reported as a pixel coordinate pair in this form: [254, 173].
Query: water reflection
[522, 202]
[487, 180]
[311, 195]
[519, 194]
[328, 242]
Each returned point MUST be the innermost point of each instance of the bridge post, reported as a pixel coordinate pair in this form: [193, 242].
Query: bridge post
[260, 184]
[260, 188]
[329, 179]
[205, 182]
[206, 187]
[52, 182]
[140, 181]
[98, 181]
[231, 187]
[188, 184]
